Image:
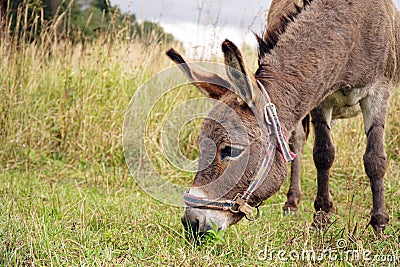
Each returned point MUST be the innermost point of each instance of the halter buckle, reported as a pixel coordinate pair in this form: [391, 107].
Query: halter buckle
[242, 206]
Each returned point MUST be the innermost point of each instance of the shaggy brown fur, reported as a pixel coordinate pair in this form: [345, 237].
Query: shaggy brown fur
[332, 54]
[281, 13]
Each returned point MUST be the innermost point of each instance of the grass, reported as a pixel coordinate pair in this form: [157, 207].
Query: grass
[68, 199]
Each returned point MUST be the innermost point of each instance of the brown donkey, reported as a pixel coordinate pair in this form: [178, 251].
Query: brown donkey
[328, 55]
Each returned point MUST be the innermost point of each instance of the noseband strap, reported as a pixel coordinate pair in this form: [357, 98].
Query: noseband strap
[239, 204]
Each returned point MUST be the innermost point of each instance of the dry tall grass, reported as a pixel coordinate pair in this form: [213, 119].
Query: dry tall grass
[66, 101]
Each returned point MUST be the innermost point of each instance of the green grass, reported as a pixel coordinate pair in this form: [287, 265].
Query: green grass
[66, 216]
[68, 199]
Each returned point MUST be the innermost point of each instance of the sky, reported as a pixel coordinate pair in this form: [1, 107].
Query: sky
[202, 25]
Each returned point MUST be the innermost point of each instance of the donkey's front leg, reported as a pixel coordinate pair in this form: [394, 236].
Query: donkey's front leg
[296, 144]
[374, 112]
[324, 155]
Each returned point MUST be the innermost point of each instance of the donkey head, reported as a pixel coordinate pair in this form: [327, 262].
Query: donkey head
[231, 142]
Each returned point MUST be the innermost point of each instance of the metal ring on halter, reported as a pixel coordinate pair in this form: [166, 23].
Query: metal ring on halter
[235, 203]
[234, 211]
[254, 217]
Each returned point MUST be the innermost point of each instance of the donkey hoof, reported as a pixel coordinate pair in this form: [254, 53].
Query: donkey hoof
[290, 206]
[379, 221]
[321, 221]
[289, 209]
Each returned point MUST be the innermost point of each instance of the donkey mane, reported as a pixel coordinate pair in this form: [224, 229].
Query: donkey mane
[271, 36]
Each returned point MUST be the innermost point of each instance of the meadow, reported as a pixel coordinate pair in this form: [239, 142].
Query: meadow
[67, 197]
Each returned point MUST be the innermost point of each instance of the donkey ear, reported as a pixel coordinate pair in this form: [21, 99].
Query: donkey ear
[240, 78]
[210, 84]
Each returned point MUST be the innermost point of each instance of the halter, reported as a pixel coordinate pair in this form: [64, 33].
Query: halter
[239, 202]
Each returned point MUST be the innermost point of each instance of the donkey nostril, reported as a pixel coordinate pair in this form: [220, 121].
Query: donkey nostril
[191, 226]
[185, 222]
[193, 223]
[195, 226]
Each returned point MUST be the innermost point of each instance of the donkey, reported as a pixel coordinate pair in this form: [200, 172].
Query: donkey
[329, 54]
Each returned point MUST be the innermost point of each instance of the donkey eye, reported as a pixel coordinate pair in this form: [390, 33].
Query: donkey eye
[230, 152]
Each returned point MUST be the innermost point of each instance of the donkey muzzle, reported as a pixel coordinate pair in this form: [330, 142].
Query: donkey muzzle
[194, 223]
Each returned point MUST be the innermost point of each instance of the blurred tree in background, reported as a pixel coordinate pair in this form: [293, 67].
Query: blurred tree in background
[79, 21]
[148, 31]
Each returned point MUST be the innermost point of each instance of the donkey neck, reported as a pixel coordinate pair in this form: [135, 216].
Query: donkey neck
[291, 105]
[297, 84]
[313, 58]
